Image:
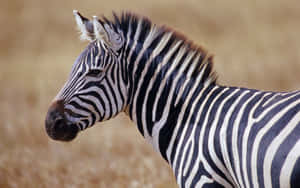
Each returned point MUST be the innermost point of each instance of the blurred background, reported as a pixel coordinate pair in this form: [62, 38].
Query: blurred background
[256, 44]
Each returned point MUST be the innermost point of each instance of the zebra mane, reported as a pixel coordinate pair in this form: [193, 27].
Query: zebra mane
[201, 64]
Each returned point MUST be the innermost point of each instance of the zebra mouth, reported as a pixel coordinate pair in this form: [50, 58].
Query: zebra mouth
[62, 131]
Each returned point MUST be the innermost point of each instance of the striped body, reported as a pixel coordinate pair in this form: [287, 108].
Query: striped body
[211, 135]
[237, 137]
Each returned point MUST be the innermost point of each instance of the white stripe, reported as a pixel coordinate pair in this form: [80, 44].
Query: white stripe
[260, 135]
[203, 180]
[206, 165]
[183, 109]
[150, 37]
[223, 135]
[273, 147]
[191, 136]
[175, 80]
[288, 166]
[96, 102]
[245, 138]
[211, 137]
[179, 144]
[186, 62]
[155, 52]
[198, 159]
[163, 81]
[154, 140]
[234, 142]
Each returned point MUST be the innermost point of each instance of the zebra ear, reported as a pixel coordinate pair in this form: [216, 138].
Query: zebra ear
[104, 32]
[85, 26]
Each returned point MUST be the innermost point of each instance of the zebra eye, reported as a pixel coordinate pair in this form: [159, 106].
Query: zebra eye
[94, 73]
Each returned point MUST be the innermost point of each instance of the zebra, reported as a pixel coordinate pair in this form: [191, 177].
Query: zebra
[211, 135]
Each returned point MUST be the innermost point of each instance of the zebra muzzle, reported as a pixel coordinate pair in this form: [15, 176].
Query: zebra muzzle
[57, 127]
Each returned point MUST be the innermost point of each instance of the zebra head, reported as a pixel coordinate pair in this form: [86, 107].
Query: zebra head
[95, 90]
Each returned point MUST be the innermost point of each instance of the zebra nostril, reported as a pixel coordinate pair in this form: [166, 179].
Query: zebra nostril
[63, 131]
[59, 125]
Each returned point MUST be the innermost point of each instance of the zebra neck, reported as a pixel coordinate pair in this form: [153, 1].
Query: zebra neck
[162, 70]
[158, 100]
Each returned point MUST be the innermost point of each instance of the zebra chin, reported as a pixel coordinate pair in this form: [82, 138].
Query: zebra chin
[57, 127]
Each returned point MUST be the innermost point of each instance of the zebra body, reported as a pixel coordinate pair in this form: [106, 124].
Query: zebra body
[211, 135]
[237, 138]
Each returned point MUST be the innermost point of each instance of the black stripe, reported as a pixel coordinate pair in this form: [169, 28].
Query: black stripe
[281, 156]
[211, 118]
[96, 95]
[270, 136]
[294, 179]
[153, 93]
[185, 117]
[104, 92]
[232, 121]
[257, 127]
[137, 74]
[119, 81]
[113, 94]
[92, 104]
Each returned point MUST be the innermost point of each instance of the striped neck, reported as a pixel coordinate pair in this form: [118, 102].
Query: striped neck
[163, 68]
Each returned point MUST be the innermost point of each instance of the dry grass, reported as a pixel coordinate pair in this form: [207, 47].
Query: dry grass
[256, 44]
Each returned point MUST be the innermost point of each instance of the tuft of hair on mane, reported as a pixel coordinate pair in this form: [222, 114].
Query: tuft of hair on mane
[123, 20]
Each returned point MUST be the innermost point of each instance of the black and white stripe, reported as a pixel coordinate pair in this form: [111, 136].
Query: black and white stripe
[211, 135]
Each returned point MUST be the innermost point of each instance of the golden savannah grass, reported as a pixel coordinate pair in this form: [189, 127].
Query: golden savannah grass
[256, 45]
